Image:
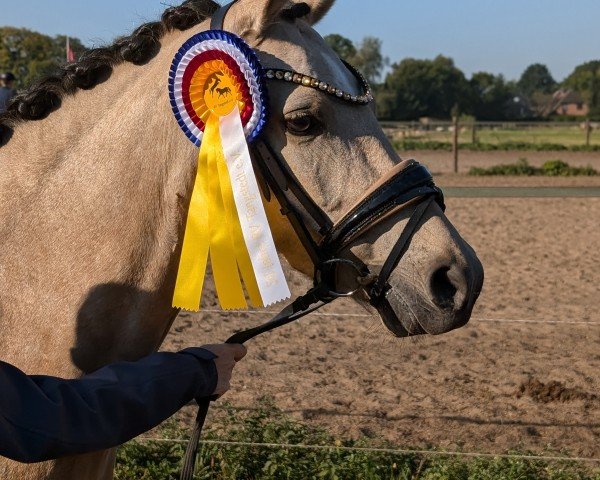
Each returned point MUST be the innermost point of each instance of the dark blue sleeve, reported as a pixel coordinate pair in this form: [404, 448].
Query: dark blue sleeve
[45, 417]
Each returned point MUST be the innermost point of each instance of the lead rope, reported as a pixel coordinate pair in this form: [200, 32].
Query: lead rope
[314, 299]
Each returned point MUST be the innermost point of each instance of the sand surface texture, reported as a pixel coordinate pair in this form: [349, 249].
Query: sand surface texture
[493, 385]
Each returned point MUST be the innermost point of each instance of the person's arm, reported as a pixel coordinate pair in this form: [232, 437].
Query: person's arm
[44, 417]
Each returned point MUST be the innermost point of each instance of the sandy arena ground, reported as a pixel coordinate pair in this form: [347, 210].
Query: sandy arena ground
[487, 387]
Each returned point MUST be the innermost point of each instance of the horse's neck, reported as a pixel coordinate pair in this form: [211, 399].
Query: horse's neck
[92, 201]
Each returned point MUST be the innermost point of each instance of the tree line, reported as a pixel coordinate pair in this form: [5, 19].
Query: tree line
[32, 55]
[410, 89]
[415, 88]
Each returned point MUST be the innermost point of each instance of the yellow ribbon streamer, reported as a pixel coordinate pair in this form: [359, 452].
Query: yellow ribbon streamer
[240, 250]
[194, 254]
[213, 227]
[224, 266]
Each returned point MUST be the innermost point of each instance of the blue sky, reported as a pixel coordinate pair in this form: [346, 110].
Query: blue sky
[499, 36]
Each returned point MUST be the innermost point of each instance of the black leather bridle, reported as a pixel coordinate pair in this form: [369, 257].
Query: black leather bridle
[407, 183]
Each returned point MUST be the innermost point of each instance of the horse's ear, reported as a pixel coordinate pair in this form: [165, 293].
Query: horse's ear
[252, 17]
[318, 9]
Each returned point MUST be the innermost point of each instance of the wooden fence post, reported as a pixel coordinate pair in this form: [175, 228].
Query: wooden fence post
[455, 142]
[474, 133]
[588, 132]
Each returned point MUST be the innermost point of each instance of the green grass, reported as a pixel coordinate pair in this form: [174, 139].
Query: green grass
[567, 136]
[551, 168]
[412, 144]
[154, 460]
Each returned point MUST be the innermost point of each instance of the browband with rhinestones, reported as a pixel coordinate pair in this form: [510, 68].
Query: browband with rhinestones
[312, 82]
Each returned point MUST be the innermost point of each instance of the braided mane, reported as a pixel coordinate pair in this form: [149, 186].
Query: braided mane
[96, 65]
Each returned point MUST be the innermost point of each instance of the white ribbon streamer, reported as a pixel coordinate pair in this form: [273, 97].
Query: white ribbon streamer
[253, 218]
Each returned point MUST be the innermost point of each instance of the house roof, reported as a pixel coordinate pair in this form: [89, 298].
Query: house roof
[566, 96]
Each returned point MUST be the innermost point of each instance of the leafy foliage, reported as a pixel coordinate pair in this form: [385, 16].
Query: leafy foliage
[425, 88]
[157, 460]
[366, 57]
[585, 79]
[491, 95]
[31, 55]
[536, 78]
[551, 168]
[369, 59]
[341, 45]
[558, 168]
[416, 88]
[522, 167]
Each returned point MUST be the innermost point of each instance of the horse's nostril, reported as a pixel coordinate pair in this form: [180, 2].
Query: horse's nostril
[448, 288]
[442, 289]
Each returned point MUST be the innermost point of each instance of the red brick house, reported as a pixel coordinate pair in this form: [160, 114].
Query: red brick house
[568, 103]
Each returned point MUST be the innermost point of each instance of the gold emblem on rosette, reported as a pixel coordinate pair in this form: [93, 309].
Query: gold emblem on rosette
[214, 90]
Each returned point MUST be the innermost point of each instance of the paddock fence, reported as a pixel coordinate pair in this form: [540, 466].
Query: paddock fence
[394, 451]
[457, 135]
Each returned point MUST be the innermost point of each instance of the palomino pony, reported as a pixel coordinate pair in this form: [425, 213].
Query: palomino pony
[96, 177]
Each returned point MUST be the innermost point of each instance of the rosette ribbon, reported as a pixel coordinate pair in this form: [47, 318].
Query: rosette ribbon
[218, 96]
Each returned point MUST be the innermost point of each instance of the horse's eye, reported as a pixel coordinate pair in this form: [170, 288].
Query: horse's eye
[301, 124]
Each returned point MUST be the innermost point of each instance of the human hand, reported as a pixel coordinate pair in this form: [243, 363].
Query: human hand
[227, 356]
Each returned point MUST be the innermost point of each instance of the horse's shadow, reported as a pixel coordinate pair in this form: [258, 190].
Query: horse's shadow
[112, 326]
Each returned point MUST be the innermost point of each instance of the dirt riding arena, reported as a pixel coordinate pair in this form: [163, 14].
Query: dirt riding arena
[524, 373]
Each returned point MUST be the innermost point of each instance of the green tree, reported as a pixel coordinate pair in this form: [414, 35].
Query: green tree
[367, 57]
[342, 46]
[491, 94]
[425, 88]
[31, 55]
[536, 78]
[585, 79]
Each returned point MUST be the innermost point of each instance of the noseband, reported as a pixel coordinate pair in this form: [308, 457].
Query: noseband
[407, 184]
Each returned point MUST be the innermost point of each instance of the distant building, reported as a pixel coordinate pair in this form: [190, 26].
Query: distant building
[518, 108]
[566, 102]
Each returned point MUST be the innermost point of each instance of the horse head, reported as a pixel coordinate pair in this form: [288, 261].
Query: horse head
[337, 151]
